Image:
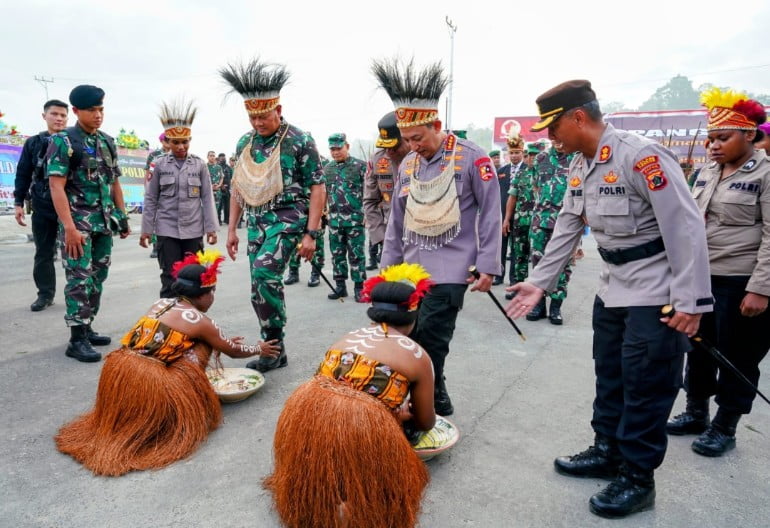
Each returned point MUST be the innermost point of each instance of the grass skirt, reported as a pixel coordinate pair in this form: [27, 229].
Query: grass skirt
[335, 445]
[147, 414]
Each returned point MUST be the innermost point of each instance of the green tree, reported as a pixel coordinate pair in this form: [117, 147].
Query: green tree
[676, 94]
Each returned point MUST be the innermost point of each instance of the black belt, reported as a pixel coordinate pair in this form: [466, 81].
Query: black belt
[622, 256]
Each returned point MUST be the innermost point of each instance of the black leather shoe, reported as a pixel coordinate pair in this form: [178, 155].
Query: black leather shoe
[554, 313]
[442, 404]
[82, 351]
[538, 312]
[97, 339]
[372, 265]
[292, 277]
[601, 460]
[264, 364]
[340, 291]
[510, 295]
[497, 281]
[631, 492]
[714, 442]
[689, 422]
[40, 304]
[154, 253]
[314, 279]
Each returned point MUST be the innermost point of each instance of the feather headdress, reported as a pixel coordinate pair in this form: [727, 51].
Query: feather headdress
[412, 274]
[177, 118]
[731, 110]
[210, 259]
[259, 83]
[415, 93]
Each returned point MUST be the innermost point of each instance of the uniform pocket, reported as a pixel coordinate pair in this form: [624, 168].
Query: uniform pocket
[167, 185]
[615, 215]
[739, 209]
[193, 187]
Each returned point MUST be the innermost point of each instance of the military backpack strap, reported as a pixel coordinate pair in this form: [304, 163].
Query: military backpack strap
[76, 145]
[40, 159]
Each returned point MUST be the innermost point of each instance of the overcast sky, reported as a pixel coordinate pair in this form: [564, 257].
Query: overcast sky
[506, 53]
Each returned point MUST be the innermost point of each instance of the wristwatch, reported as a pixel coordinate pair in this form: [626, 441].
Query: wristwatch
[313, 233]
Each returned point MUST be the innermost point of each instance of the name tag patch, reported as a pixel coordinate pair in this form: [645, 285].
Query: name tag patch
[612, 190]
[747, 187]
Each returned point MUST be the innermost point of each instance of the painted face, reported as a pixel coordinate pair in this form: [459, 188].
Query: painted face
[90, 118]
[56, 118]
[729, 146]
[180, 147]
[266, 124]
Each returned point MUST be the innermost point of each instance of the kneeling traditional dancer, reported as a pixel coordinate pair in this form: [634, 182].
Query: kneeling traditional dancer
[341, 455]
[154, 404]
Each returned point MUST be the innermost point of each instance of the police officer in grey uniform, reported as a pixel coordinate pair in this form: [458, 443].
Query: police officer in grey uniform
[378, 185]
[631, 192]
[178, 201]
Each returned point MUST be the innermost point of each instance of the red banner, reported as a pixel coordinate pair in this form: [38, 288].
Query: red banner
[504, 125]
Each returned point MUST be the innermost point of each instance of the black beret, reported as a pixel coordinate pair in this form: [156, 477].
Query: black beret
[559, 99]
[86, 96]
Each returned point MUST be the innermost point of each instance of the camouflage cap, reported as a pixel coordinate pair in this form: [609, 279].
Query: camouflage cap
[389, 133]
[337, 140]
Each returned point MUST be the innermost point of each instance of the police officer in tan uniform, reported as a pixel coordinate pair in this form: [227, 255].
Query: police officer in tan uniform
[378, 189]
[631, 192]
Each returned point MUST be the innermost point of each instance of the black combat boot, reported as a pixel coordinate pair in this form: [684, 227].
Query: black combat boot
[41, 303]
[510, 295]
[374, 261]
[694, 419]
[538, 312]
[314, 280]
[632, 491]
[601, 460]
[340, 291]
[357, 289]
[292, 277]
[79, 347]
[97, 339]
[554, 312]
[441, 402]
[265, 363]
[719, 438]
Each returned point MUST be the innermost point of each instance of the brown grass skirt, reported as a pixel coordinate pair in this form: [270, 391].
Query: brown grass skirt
[334, 445]
[147, 414]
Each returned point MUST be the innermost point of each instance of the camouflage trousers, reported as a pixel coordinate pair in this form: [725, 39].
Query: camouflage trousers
[85, 277]
[348, 243]
[271, 245]
[318, 256]
[520, 252]
[538, 238]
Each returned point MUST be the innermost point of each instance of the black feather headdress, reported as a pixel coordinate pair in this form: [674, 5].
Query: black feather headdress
[177, 118]
[415, 93]
[259, 83]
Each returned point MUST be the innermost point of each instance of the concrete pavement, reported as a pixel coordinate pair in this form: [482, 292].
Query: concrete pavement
[518, 405]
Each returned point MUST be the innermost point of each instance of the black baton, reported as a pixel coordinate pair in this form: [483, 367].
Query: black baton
[473, 271]
[321, 273]
[668, 311]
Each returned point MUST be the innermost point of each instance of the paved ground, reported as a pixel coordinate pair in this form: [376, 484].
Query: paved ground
[517, 404]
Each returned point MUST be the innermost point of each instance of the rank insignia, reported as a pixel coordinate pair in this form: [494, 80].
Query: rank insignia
[574, 182]
[604, 153]
[486, 170]
[611, 177]
[383, 165]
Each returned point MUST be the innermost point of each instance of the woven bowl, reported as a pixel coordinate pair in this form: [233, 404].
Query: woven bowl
[442, 437]
[235, 384]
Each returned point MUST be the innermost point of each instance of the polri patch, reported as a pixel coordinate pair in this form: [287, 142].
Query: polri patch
[749, 164]
[656, 180]
[644, 164]
[486, 170]
[604, 153]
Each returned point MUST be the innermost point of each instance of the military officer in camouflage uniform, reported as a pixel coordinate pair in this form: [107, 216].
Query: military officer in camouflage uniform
[518, 214]
[345, 196]
[83, 172]
[551, 168]
[652, 241]
[282, 159]
[378, 186]
[217, 177]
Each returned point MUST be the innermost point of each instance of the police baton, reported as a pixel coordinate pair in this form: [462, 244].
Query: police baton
[473, 271]
[321, 274]
[703, 344]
